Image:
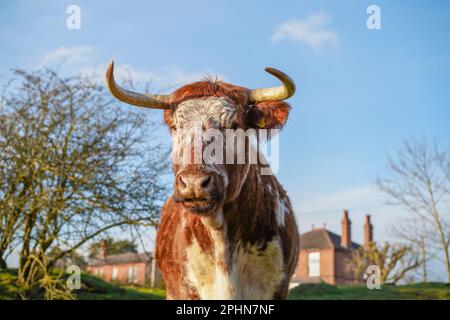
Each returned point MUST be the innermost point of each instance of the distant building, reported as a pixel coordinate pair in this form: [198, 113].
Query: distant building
[130, 267]
[325, 256]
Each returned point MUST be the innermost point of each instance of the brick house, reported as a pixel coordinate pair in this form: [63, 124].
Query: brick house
[324, 255]
[130, 267]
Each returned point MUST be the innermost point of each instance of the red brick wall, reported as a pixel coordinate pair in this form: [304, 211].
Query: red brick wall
[326, 266]
[333, 267]
[105, 272]
[342, 274]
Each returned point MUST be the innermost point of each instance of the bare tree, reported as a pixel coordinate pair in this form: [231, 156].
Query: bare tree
[114, 247]
[394, 261]
[419, 180]
[73, 165]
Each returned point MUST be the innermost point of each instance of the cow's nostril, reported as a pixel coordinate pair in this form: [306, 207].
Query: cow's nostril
[206, 182]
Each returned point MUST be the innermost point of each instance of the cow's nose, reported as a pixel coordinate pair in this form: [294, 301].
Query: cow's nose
[194, 184]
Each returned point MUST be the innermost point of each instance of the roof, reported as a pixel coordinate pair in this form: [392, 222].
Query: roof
[322, 239]
[121, 258]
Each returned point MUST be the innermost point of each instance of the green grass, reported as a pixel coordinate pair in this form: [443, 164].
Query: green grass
[94, 288]
[8, 287]
[419, 291]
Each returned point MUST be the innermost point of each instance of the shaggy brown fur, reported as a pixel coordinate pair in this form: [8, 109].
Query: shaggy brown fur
[275, 112]
[250, 203]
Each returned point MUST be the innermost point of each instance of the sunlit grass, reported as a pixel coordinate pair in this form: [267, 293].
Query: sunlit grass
[94, 288]
[323, 291]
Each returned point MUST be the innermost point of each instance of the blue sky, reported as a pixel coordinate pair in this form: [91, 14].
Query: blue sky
[360, 92]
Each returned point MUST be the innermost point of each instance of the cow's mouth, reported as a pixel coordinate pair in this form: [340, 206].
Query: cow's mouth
[198, 205]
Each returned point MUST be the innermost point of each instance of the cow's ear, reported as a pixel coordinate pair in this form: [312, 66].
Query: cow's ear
[168, 119]
[268, 115]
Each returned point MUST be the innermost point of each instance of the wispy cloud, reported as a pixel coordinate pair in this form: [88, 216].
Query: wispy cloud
[67, 55]
[165, 78]
[86, 61]
[313, 31]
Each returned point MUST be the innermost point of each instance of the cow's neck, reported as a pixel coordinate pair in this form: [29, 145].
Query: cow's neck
[250, 217]
[246, 221]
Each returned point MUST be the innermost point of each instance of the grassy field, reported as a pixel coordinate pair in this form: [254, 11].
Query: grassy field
[94, 288]
[419, 291]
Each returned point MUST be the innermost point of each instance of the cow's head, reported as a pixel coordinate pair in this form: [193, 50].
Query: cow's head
[203, 188]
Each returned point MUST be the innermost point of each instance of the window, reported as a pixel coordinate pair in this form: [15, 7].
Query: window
[132, 274]
[135, 277]
[314, 264]
[114, 273]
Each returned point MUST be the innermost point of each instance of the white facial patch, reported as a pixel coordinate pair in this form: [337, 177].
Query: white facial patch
[212, 112]
[207, 113]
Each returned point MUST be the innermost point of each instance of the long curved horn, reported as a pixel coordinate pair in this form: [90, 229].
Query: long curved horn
[283, 92]
[134, 98]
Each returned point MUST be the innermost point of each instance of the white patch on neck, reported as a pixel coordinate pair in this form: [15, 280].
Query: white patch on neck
[206, 272]
[251, 273]
[258, 273]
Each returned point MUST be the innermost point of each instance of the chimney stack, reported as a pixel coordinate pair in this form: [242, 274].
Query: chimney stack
[368, 231]
[103, 252]
[346, 238]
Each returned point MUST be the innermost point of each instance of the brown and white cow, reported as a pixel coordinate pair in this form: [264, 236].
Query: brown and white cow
[227, 232]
